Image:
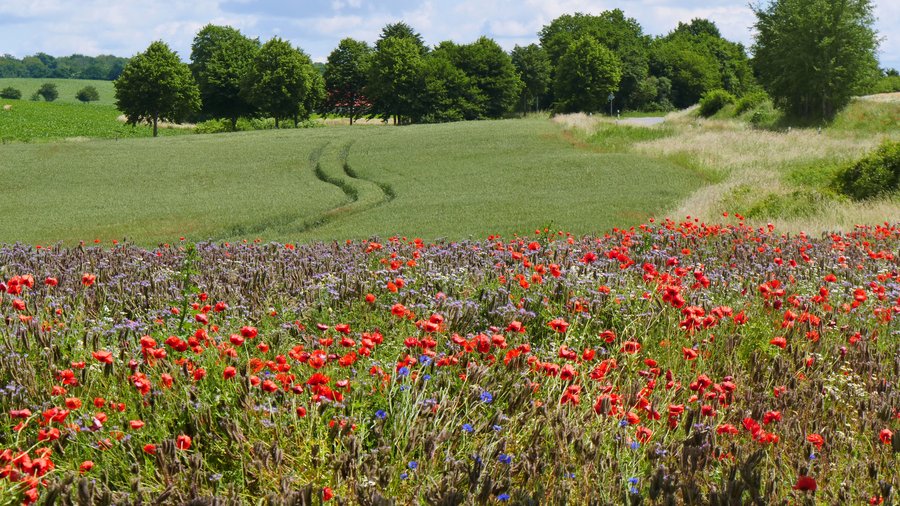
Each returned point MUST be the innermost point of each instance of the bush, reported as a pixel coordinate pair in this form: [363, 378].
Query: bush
[750, 101]
[10, 93]
[764, 116]
[713, 101]
[48, 91]
[88, 94]
[876, 174]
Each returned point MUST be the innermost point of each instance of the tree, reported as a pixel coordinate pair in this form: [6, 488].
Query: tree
[346, 76]
[395, 83]
[491, 70]
[533, 66]
[587, 73]
[88, 94]
[279, 80]
[48, 91]
[402, 30]
[813, 55]
[622, 35]
[155, 85]
[220, 57]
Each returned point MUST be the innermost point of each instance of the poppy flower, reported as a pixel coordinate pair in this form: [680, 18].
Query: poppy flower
[806, 484]
[104, 357]
[183, 442]
[327, 494]
[559, 325]
[88, 279]
[817, 440]
[779, 341]
[886, 436]
[136, 424]
[150, 449]
[86, 466]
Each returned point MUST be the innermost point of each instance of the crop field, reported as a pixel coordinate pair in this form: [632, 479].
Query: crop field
[36, 122]
[67, 88]
[671, 363]
[460, 180]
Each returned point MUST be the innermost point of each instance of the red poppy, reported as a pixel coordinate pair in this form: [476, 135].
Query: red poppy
[327, 494]
[806, 484]
[86, 466]
[136, 424]
[886, 436]
[183, 442]
[103, 357]
[559, 325]
[88, 279]
[229, 372]
[778, 341]
[817, 440]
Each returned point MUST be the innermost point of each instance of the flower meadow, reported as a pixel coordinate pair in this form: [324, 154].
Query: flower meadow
[671, 363]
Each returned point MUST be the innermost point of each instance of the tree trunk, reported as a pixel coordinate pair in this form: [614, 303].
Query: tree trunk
[276, 121]
[234, 123]
[155, 121]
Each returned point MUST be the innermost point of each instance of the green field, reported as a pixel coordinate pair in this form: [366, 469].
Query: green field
[453, 180]
[29, 121]
[67, 88]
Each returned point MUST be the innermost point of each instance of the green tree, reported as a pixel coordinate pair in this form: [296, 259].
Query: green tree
[346, 76]
[11, 93]
[220, 57]
[448, 94]
[401, 30]
[587, 73]
[691, 70]
[812, 56]
[48, 91]
[533, 67]
[279, 81]
[88, 94]
[490, 69]
[622, 35]
[155, 85]
[395, 84]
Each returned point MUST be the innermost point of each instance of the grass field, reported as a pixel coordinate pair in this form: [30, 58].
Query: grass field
[461, 180]
[67, 88]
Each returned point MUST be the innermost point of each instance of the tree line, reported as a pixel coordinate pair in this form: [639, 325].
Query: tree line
[810, 55]
[77, 66]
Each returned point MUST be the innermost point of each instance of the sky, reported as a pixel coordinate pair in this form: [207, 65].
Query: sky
[126, 27]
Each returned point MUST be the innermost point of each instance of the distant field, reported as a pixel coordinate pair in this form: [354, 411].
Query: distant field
[455, 180]
[67, 88]
[29, 121]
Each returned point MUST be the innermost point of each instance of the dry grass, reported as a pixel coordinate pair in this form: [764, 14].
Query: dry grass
[744, 157]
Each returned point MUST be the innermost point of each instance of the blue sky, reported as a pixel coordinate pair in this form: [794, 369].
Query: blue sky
[125, 27]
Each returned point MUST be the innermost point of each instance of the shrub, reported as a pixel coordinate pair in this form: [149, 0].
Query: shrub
[48, 91]
[88, 94]
[713, 101]
[750, 101]
[10, 93]
[876, 174]
[765, 115]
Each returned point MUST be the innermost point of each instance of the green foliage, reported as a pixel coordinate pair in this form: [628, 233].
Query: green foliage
[48, 92]
[346, 76]
[886, 84]
[448, 93]
[281, 81]
[10, 93]
[588, 72]
[76, 66]
[156, 85]
[696, 59]
[813, 55]
[874, 175]
[713, 101]
[623, 36]
[402, 30]
[395, 83]
[750, 101]
[533, 67]
[88, 94]
[490, 71]
[220, 57]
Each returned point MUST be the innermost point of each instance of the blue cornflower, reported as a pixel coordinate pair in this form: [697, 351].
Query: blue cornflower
[634, 490]
[503, 497]
[504, 458]
[404, 476]
[486, 397]
[403, 371]
[426, 377]
[413, 465]
[635, 445]
[380, 414]
[497, 428]
[468, 427]
[425, 360]
[633, 481]
[623, 422]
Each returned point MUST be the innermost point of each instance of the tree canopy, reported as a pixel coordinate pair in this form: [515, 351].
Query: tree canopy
[346, 75]
[588, 72]
[533, 67]
[155, 85]
[813, 55]
[220, 57]
[280, 81]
